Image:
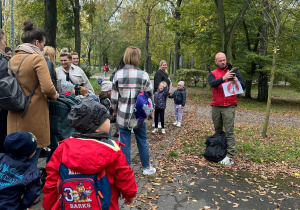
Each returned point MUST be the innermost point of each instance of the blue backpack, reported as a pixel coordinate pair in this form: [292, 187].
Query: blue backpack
[82, 191]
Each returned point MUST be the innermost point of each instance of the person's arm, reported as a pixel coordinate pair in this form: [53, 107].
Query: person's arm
[240, 78]
[183, 98]
[50, 190]
[42, 72]
[172, 95]
[87, 84]
[32, 191]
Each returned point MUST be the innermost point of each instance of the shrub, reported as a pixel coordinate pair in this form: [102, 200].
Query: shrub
[192, 76]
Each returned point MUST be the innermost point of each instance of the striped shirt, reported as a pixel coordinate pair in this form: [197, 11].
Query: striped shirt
[127, 84]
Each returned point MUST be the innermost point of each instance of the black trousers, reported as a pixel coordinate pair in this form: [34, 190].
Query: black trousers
[161, 114]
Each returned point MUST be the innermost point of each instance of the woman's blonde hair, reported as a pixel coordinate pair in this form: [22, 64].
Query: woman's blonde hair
[161, 63]
[49, 52]
[132, 56]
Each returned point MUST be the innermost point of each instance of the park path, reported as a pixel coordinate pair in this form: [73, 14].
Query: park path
[200, 186]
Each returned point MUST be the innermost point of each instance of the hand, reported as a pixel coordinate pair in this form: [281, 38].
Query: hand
[150, 117]
[182, 107]
[129, 201]
[115, 113]
[228, 75]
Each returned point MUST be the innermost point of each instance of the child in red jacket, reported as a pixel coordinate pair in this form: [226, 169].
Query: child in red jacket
[88, 152]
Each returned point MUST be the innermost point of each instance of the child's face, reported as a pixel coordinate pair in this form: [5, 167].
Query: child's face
[179, 87]
[161, 87]
[73, 91]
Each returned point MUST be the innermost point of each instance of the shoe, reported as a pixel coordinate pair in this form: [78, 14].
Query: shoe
[116, 135]
[153, 125]
[155, 130]
[163, 131]
[150, 170]
[159, 125]
[178, 124]
[36, 201]
[227, 161]
[175, 123]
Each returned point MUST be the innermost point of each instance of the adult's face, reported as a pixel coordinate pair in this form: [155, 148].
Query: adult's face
[65, 62]
[3, 43]
[75, 60]
[40, 44]
[164, 66]
[221, 60]
[9, 54]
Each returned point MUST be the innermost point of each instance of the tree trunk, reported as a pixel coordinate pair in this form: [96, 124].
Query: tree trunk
[177, 16]
[147, 37]
[50, 22]
[263, 51]
[221, 21]
[76, 11]
[233, 28]
[99, 48]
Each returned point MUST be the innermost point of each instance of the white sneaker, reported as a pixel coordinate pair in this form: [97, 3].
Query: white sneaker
[227, 161]
[155, 130]
[159, 125]
[178, 124]
[175, 123]
[163, 131]
[153, 125]
[150, 170]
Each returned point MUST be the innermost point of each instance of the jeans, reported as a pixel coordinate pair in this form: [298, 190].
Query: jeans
[223, 116]
[141, 139]
[35, 159]
[105, 73]
[110, 130]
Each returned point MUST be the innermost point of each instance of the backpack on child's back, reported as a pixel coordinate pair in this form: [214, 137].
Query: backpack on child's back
[82, 191]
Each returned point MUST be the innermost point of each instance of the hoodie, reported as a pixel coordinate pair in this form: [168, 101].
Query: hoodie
[89, 156]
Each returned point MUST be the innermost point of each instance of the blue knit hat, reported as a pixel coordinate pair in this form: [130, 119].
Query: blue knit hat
[20, 144]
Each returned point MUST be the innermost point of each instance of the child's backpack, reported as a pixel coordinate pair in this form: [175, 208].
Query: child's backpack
[12, 96]
[216, 147]
[142, 108]
[82, 191]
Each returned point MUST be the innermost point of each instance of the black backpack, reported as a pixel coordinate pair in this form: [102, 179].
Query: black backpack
[12, 96]
[216, 147]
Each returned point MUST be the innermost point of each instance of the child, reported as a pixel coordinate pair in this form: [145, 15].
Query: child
[19, 179]
[179, 100]
[105, 100]
[67, 88]
[160, 103]
[88, 152]
[82, 92]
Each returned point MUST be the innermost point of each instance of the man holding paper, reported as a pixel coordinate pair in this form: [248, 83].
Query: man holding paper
[226, 82]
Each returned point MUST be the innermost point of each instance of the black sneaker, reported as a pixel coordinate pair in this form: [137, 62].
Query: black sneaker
[116, 135]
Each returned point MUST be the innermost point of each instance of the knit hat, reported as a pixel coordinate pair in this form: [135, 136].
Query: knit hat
[105, 85]
[20, 144]
[66, 86]
[93, 97]
[181, 83]
[88, 116]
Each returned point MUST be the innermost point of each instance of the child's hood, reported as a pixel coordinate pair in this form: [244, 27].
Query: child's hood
[89, 156]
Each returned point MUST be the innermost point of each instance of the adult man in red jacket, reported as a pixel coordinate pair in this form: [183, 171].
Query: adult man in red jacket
[223, 108]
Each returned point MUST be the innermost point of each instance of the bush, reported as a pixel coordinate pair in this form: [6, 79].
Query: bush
[192, 76]
[87, 69]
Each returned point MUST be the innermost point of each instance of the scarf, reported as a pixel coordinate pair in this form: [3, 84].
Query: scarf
[29, 48]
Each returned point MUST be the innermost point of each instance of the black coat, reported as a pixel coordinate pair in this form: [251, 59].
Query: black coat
[18, 177]
[52, 72]
[160, 98]
[159, 77]
[179, 96]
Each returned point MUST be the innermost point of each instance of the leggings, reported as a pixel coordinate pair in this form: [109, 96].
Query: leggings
[161, 114]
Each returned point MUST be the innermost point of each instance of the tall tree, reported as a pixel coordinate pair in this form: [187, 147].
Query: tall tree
[76, 10]
[50, 22]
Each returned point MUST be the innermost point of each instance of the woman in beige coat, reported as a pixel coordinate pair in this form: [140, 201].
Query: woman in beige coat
[33, 70]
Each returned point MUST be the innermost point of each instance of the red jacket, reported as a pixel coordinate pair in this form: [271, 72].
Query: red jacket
[219, 98]
[89, 156]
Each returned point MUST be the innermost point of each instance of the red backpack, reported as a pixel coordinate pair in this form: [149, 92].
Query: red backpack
[82, 191]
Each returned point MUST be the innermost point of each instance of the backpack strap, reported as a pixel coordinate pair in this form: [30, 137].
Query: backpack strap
[11, 71]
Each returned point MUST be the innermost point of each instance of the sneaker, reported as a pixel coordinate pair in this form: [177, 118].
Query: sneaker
[178, 124]
[175, 123]
[159, 125]
[163, 131]
[153, 125]
[227, 161]
[155, 130]
[150, 170]
[116, 135]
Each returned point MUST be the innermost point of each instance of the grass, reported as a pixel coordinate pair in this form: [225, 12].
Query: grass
[173, 154]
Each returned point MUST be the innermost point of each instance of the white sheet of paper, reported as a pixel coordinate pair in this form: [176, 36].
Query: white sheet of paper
[232, 88]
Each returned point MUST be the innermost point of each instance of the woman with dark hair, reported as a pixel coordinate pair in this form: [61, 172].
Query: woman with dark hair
[33, 73]
[8, 52]
[3, 73]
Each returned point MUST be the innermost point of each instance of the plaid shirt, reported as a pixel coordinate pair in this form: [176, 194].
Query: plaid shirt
[127, 84]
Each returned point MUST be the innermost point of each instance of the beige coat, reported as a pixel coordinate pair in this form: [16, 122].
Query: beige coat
[36, 120]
